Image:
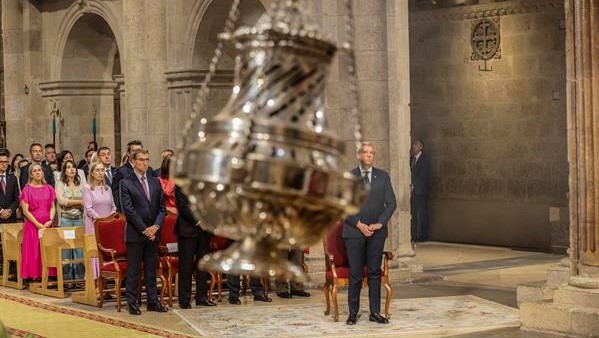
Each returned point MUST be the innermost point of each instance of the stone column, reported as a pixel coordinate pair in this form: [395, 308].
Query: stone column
[18, 122]
[135, 70]
[33, 73]
[398, 56]
[157, 90]
[575, 305]
[145, 65]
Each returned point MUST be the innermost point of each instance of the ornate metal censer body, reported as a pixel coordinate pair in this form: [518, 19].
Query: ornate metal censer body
[266, 170]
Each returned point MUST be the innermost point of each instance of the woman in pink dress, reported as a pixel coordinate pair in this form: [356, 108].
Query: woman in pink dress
[97, 202]
[37, 202]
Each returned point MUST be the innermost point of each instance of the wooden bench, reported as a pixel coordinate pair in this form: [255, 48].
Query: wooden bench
[89, 296]
[52, 242]
[12, 239]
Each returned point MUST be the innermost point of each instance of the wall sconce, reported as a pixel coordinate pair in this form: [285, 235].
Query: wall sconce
[26, 90]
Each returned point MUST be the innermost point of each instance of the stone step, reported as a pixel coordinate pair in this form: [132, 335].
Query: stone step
[572, 296]
[534, 291]
[557, 275]
[545, 315]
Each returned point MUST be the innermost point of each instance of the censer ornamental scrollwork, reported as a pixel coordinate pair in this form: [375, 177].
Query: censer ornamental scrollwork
[266, 170]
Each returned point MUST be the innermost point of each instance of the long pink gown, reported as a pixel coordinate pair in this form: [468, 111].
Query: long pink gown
[40, 200]
[97, 203]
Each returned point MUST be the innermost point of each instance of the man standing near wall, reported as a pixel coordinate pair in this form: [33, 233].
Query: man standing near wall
[419, 187]
[365, 235]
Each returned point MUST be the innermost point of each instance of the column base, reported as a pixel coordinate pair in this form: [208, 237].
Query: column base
[573, 311]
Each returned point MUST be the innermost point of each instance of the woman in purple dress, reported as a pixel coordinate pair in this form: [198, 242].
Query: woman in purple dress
[97, 202]
[37, 202]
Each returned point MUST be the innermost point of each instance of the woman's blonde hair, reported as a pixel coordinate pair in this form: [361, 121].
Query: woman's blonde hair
[30, 170]
[92, 181]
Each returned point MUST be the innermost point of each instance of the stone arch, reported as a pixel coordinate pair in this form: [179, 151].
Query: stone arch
[86, 77]
[197, 18]
[73, 14]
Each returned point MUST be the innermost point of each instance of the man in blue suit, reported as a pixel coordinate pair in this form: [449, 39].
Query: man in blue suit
[142, 202]
[365, 235]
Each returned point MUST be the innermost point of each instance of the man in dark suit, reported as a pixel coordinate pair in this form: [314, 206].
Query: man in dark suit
[126, 171]
[419, 187]
[365, 235]
[105, 157]
[9, 192]
[36, 152]
[193, 244]
[142, 202]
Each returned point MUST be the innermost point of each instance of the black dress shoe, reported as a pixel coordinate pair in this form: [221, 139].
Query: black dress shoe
[185, 306]
[378, 318]
[205, 302]
[133, 309]
[234, 301]
[351, 320]
[284, 294]
[157, 308]
[300, 293]
[262, 298]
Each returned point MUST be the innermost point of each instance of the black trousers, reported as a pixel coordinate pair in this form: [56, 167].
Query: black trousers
[419, 226]
[295, 256]
[234, 284]
[364, 252]
[138, 252]
[192, 250]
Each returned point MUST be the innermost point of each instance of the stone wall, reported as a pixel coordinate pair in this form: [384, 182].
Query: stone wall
[497, 139]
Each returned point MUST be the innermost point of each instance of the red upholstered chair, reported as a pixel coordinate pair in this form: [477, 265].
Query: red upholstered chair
[337, 270]
[169, 261]
[217, 243]
[112, 254]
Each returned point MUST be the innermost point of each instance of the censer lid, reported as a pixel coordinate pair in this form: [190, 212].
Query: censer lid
[286, 23]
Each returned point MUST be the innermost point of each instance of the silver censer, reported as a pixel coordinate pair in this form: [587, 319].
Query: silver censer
[266, 170]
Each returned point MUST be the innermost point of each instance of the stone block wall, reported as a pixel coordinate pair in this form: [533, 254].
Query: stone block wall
[497, 139]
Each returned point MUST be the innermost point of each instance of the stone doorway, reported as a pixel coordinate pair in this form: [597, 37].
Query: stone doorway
[90, 85]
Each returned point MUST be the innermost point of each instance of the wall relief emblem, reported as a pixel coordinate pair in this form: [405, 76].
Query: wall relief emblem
[485, 39]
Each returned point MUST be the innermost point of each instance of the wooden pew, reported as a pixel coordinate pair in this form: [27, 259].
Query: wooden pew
[52, 243]
[89, 295]
[12, 239]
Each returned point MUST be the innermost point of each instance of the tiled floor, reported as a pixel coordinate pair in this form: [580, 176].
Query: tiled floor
[485, 272]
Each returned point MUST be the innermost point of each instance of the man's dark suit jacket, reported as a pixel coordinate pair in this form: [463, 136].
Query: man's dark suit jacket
[24, 177]
[186, 222]
[120, 173]
[140, 212]
[113, 171]
[379, 206]
[420, 175]
[10, 199]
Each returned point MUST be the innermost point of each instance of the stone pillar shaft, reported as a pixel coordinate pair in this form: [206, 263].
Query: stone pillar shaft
[583, 86]
[145, 66]
[12, 36]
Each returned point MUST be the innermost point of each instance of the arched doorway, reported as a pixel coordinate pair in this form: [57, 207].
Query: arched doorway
[206, 22]
[89, 87]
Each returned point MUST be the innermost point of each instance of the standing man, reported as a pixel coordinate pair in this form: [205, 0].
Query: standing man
[50, 153]
[36, 153]
[365, 235]
[9, 192]
[142, 202]
[419, 187]
[124, 171]
[105, 157]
